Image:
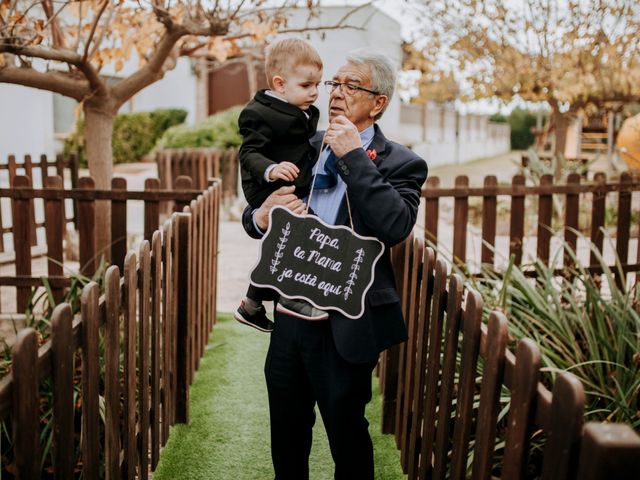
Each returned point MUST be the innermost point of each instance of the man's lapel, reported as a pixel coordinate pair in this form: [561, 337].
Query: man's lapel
[379, 144]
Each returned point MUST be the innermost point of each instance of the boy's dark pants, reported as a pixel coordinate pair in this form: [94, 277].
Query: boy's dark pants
[260, 294]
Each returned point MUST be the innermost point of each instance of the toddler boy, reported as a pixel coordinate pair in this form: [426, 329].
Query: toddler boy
[275, 127]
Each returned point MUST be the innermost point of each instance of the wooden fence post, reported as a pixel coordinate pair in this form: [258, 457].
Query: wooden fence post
[54, 221]
[112, 373]
[489, 220]
[87, 229]
[144, 303]
[62, 372]
[151, 209]
[118, 224]
[609, 450]
[129, 305]
[460, 222]
[156, 284]
[26, 404]
[90, 382]
[183, 352]
[21, 236]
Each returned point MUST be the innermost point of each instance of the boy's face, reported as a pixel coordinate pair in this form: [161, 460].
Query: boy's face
[300, 85]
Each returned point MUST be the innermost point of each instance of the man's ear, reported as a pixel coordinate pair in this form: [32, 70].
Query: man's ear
[278, 83]
[379, 103]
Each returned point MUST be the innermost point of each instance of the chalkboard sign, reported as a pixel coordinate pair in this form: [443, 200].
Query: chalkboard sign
[329, 266]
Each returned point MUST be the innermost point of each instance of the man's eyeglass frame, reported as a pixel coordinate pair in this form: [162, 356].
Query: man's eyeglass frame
[350, 89]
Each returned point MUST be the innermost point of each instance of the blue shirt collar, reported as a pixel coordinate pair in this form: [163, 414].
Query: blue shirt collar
[366, 136]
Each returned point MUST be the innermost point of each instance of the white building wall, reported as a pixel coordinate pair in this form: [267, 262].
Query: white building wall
[442, 136]
[26, 121]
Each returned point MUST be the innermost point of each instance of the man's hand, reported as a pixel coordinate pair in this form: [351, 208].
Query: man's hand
[283, 196]
[284, 171]
[342, 136]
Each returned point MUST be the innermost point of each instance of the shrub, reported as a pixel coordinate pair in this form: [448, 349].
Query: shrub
[521, 122]
[219, 130]
[134, 134]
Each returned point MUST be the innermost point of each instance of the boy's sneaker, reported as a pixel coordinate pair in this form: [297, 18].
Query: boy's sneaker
[258, 320]
[300, 309]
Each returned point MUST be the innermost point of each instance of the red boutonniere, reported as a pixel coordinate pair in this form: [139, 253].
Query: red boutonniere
[372, 153]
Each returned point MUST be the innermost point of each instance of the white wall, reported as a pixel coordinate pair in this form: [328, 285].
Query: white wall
[26, 121]
[176, 90]
[442, 136]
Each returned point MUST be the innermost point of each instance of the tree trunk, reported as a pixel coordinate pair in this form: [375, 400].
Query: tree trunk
[99, 120]
[560, 124]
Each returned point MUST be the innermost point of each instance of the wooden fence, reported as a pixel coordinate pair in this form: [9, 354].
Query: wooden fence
[22, 197]
[40, 169]
[199, 164]
[430, 385]
[538, 212]
[138, 344]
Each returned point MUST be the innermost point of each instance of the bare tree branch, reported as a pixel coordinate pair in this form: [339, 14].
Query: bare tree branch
[152, 71]
[52, 19]
[52, 81]
[60, 55]
[93, 30]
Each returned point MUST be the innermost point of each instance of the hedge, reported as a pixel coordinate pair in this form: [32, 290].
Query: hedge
[134, 134]
[220, 130]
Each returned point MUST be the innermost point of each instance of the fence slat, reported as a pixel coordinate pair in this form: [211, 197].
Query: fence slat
[563, 440]
[181, 183]
[87, 229]
[156, 284]
[411, 275]
[54, 222]
[492, 378]
[90, 380]
[516, 229]
[624, 222]
[598, 207]
[118, 224]
[151, 209]
[26, 404]
[545, 216]
[489, 219]
[410, 346]
[182, 320]
[445, 407]
[472, 317]
[167, 322]
[28, 171]
[21, 235]
[431, 210]
[521, 411]
[422, 338]
[112, 373]
[431, 374]
[62, 373]
[609, 450]
[144, 303]
[571, 222]
[129, 304]
[192, 303]
[460, 222]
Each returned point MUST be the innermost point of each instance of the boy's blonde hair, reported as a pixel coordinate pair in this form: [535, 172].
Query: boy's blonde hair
[284, 55]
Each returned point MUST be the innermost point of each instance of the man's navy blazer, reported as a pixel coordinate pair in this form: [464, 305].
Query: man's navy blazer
[384, 195]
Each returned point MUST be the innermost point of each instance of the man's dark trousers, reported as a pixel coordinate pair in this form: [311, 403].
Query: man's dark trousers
[302, 368]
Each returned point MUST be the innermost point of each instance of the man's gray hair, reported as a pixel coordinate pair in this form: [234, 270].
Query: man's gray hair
[383, 72]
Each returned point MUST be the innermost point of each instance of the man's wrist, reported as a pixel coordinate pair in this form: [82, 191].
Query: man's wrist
[255, 222]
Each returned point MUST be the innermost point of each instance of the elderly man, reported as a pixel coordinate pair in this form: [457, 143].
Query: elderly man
[330, 361]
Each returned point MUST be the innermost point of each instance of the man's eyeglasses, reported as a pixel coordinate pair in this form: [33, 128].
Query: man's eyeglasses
[346, 88]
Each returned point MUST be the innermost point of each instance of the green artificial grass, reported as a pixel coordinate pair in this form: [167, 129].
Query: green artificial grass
[228, 434]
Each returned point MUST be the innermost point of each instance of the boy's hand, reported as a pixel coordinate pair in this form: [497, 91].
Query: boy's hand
[284, 171]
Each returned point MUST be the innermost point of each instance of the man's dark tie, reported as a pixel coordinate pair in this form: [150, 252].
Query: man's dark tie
[329, 179]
